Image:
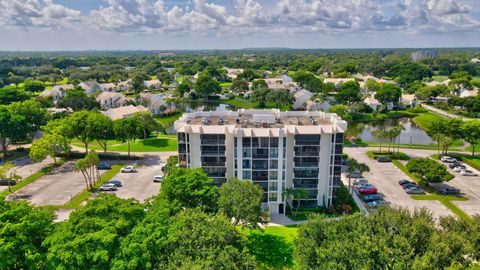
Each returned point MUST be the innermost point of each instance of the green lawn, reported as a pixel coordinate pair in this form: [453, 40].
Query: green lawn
[272, 247]
[160, 144]
[226, 84]
[439, 78]
[425, 119]
[169, 119]
[163, 143]
[359, 143]
[247, 104]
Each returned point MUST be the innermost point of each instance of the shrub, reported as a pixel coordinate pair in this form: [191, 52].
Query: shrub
[428, 170]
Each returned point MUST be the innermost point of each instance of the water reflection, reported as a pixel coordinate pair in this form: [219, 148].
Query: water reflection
[412, 134]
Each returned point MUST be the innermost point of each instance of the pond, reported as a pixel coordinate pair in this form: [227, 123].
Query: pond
[412, 134]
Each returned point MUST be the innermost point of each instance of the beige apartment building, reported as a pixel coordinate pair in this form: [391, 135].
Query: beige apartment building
[274, 149]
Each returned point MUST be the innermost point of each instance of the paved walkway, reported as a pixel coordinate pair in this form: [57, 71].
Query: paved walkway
[444, 113]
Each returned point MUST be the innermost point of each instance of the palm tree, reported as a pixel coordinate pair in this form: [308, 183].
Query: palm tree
[380, 134]
[299, 194]
[287, 195]
[355, 166]
[398, 130]
[81, 166]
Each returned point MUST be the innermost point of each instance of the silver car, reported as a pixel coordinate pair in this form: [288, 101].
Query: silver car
[108, 187]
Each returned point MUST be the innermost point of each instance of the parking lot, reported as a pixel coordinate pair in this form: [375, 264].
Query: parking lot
[385, 177]
[140, 185]
[55, 188]
[24, 167]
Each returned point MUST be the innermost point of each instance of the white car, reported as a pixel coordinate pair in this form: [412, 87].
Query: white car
[108, 187]
[158, 178]
[128, 169]
[468, 173]
[448, 159]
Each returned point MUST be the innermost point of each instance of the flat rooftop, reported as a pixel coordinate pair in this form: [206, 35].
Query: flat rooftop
[260, 118]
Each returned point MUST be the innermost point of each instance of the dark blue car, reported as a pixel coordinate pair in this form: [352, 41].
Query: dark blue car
[373, 197]
[104, 166]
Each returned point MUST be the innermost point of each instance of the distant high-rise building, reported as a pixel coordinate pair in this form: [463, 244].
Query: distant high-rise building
[276, 150]
[423, 55]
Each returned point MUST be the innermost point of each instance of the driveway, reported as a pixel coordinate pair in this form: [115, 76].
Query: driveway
[444, 113]
[140, 185]
[385, 177]
[55, 188]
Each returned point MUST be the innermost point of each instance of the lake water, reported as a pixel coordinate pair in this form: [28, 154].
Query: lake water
[412, 134]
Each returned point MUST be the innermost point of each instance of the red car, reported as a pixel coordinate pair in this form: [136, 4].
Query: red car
[368, 190]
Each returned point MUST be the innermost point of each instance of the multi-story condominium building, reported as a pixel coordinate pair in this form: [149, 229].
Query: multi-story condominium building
[276, 150]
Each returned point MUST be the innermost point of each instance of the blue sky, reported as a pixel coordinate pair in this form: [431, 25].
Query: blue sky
[234, 24]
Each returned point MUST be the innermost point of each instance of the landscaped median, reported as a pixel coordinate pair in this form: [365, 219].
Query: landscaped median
[82, 196]
[446, 200]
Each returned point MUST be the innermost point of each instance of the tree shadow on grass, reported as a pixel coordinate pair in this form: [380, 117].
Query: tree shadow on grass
[155, 142]
[271, 251]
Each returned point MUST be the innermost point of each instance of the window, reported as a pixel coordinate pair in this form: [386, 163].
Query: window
[247, 175]
[272, 196]
[273, 153]
[246, 164]
[264, 142]
[246, 142]
[273, 142]
[272, 186]
[273, 164]
[273, 175]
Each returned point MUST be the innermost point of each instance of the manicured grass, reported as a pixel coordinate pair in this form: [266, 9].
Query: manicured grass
[226, 84]
[439, 78]
[169, 119]
[82, 196]
[28, 180]
[444, 199]
[272, 247]
[248, 104]
[425, 119]
[162, 143]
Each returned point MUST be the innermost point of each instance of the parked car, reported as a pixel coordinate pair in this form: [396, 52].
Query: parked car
[108, 187]
[104, 166]
[117, 183]
[7, 182]
[410, 185]
[373, 197]
[360, 181]
[460, 168]
[404, 182]
[376, 203]
[158, 178]
[454, 164]
[384, 159]
[366, 185]
[468, 173]
[368, 190]
[128, 169]
[415, 190]
[353, 174]
[448, 159]
[448, 191]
